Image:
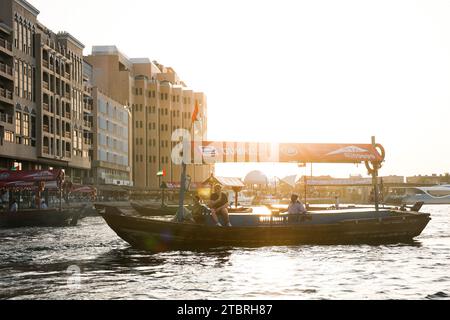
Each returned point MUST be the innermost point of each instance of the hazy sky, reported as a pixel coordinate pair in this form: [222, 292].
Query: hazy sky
[299, 71]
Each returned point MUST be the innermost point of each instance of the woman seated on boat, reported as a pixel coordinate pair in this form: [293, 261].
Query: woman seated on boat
[218, 204]
[199, 210]
[295, 206]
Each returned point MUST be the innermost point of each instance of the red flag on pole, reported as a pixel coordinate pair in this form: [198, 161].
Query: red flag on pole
[195, 113]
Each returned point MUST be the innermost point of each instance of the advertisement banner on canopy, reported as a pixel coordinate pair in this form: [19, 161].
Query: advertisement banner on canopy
[221, 152]
[83, 189]
[31, 186]
[31, 176]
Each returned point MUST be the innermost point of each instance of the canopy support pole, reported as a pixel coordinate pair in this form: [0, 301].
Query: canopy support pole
[375, 180]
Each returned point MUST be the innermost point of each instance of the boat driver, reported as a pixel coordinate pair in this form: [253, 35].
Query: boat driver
[218, 204]
[296, 206]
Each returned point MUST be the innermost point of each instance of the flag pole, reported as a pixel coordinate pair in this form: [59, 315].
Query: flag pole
[186, 149]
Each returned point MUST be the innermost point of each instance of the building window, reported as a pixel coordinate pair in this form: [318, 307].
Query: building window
[16, 34]
[16, 77]
[18, 123]
[9, 136]
[26, 125]
[33, 127]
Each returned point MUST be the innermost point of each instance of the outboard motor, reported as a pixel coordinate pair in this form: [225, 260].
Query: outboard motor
[416, 207]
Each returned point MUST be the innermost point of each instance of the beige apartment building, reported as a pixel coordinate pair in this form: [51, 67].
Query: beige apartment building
[45, 106]
[160, 103]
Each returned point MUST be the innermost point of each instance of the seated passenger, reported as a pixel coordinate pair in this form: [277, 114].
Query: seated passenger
[199, 210]
[218, 205]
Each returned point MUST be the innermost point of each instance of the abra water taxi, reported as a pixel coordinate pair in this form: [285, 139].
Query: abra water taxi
[27, 182]
[349, 226]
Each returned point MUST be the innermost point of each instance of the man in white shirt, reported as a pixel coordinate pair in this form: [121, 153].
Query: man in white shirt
[43, 204]
[14, 207]
[296, 206]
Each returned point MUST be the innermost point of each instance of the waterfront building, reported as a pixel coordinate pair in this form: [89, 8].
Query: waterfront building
[112, 156]
[45, 110]
[160, 103]
[433, 179]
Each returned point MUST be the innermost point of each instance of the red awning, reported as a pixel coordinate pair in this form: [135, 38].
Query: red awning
[31, 176]
[213, 152]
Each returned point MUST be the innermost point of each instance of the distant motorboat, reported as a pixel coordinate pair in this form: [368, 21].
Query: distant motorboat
[439, 194]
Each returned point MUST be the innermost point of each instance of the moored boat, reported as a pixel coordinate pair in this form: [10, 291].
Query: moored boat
[40, 218]
[36, 181]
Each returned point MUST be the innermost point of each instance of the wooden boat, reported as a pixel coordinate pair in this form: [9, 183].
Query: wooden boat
[40, 218]
[323, 227]
[37, 181]
[154, 210]
[349, 226]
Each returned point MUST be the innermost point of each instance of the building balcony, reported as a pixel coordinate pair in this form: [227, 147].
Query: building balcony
[45, 85]
[66, 115]
[45, 150]
[45, 63]
[68, 154]
[6, 96]
[45, 107]
[6, 46]
[67, 75]
[67, 95]
[45, 128]
[87, 142]
[6, 118]
[87, 124]
[67, 135]
[6, 71]
[88, 107]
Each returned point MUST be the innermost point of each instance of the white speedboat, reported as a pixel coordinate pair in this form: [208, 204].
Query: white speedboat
[439, 194]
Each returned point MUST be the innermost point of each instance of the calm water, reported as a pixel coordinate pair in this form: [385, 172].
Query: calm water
[90, 262]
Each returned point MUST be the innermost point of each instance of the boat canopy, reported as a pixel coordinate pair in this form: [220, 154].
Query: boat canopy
[218, 151]
[225, 181]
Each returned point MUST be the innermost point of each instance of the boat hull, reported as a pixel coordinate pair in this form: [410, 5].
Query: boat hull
[39, 218]
[154, 235]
